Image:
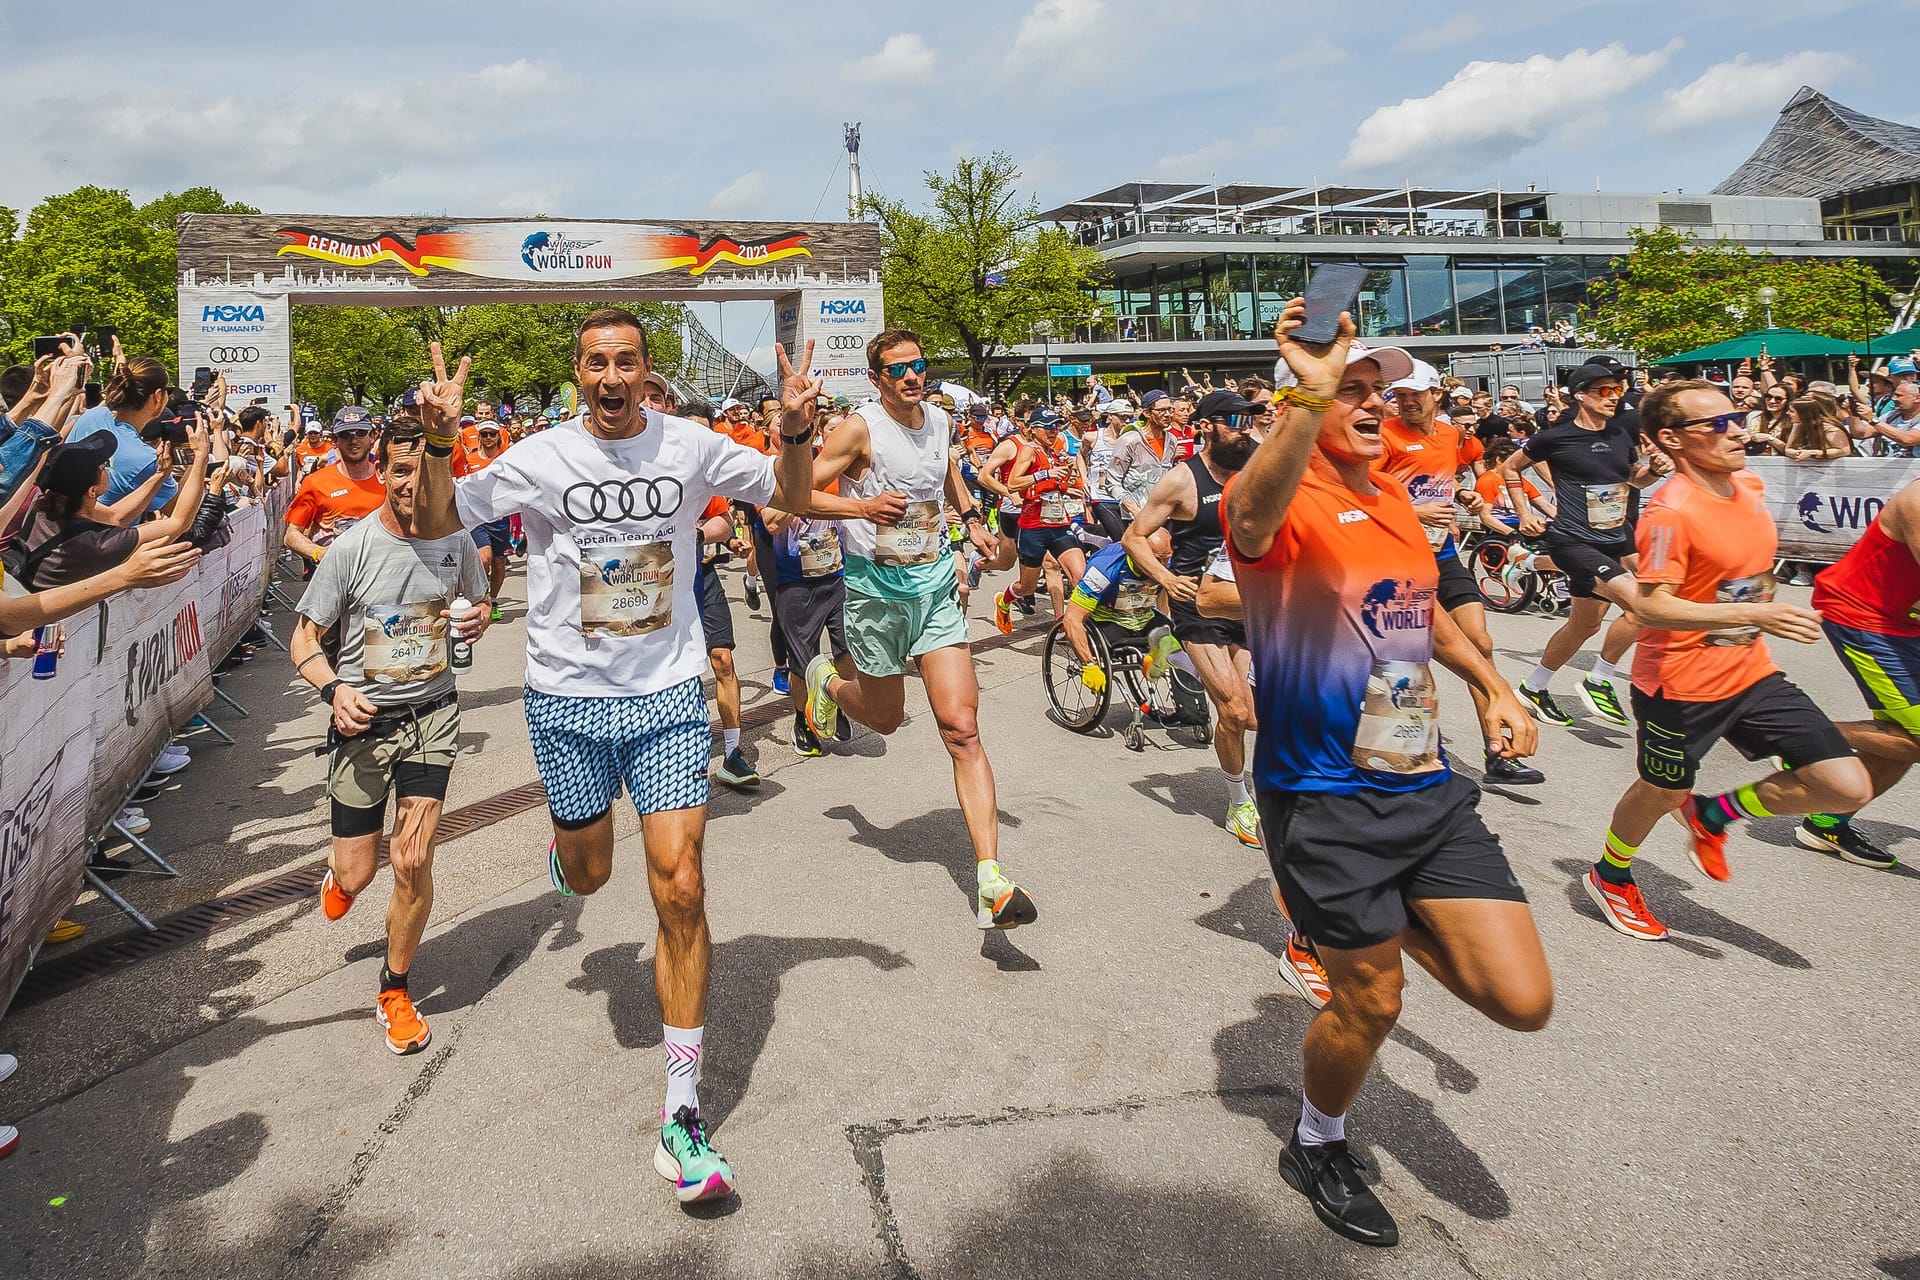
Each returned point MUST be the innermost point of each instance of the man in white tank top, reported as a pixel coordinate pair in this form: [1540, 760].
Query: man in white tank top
[903, 595]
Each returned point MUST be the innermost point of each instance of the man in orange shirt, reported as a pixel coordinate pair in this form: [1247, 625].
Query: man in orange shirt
[1425, 452]
[332, 498]
[313, 449]
[494, 539]
[1702, 673]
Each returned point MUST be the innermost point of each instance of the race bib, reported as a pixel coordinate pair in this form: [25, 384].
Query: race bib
[626, 589]
[1757, 589]
[1053, 508]
[915, 540]
[1076, 507]
[820, 554]
[1133, 602]
[403, 643]
[1436, 535]
[1606, 506]
[1399, 730]
[1221, 566]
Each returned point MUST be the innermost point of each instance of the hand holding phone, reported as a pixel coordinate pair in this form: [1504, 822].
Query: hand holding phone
[1333, 288]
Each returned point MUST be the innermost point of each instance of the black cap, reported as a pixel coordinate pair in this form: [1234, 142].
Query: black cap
[73, 466]
[1219, 404]
[1045, 419]
[1596, 370]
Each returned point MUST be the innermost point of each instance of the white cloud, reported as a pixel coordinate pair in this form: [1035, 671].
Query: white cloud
[1205, 162]
[1060, 37]
[743, 194]
[1741, 88]
[1458, 29]
[903, 60]
[1490, 110]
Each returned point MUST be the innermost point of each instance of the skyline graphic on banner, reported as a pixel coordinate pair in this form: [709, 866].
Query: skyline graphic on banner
[545, 252]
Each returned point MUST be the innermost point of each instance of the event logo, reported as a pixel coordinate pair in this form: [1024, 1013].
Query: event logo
[1395, 606]
[157, 658]
[843, 311]
[230, 313]
[1810, 505]
[223, 355]
[1843, 511]
[611, 501]
[20, 830]
[552, 251]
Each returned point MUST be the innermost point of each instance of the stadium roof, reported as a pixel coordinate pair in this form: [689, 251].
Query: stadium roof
[1201, 197]
[1819, 148]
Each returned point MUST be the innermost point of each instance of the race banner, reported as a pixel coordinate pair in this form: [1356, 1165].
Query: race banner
[840, 322]
[246, 336]
[1822, 508]
[136, 669]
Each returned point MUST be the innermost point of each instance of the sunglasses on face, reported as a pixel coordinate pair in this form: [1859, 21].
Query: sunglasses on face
[1720, 422]
[353, 433]
[1238, 421]
[1606, 393]
[898, 369]
[1776, 399]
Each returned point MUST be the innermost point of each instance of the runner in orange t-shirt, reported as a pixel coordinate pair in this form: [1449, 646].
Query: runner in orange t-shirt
[494, 539]
[332, 498]
[1706, 545]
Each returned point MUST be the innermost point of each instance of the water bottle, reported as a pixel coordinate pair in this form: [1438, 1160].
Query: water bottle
[46, 653]
[462, 649]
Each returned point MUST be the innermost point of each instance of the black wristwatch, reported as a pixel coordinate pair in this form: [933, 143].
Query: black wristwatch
[327, 690]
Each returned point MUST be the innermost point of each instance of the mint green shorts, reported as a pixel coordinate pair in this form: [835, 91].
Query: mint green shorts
[882, 633]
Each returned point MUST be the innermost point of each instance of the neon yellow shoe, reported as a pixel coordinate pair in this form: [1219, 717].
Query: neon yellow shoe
[1243, 822]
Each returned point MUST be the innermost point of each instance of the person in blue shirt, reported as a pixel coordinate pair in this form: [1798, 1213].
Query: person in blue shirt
[134, 397]
[1115, 595]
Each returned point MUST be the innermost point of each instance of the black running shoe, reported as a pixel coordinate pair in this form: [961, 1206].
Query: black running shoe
[1603, 701]
[1502, 772]
[1844, 842]
[753, 594]
[1328, 1175]
[1542, 706]
[804, 741]
[1023, 603]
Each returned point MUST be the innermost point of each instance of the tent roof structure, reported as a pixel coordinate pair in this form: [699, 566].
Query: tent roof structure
[1819, 148]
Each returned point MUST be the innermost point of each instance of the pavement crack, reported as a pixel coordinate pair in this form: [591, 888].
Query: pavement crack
[1451, 1245]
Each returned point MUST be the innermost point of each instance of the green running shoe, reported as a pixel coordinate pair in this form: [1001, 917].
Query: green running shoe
[1541, 706]
[686, 1159]
[1243, 823]
[823, 713]
[1002, 903]
[1603, 701]
[555, 874]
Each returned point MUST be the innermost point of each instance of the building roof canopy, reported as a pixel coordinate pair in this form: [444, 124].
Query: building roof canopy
[1819, 148]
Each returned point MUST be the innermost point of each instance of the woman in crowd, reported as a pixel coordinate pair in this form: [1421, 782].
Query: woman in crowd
[1817, 433]
[1769, 425]
[73, 536]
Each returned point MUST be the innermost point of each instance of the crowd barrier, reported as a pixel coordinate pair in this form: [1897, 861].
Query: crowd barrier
[1821, 508]
[138, 669]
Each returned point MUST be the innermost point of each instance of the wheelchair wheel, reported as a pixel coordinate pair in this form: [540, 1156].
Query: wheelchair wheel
[1487, 560]
[1078, 707]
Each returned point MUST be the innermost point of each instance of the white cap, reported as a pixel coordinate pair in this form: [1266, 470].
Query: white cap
[1423, 378]
[1117, 406]
[730, 403]
[1394, 363]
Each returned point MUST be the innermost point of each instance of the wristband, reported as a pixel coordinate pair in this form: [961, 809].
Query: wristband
[972, 513]
[802, 438]
[437, 450]
[1304, 400]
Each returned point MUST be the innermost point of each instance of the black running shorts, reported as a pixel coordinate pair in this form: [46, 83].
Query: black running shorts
[1588, 563]
[1456, 584]
[716, 615]
[1349, 864]
[1190, 626]
[1772, 717]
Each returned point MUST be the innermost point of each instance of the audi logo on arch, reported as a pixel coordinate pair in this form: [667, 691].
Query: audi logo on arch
[612, 501]
[233, 355]
[845, 342]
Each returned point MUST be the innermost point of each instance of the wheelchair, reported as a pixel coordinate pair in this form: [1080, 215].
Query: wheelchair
[1174, 700]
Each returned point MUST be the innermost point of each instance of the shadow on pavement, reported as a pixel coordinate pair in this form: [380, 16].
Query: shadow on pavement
[745, 985]
[1249, 915]
[939, 837]
[1907, 1268]
[1266, 1048]
[1197, 792]
[1668, 897]
[1778, 832]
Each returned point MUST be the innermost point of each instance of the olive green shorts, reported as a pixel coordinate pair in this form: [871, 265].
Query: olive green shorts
[366, 767]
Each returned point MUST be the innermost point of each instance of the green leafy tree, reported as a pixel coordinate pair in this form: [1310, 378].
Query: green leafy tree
[92, 257]
[1673, 293]
[355, 355]
[935, 264]
[525, 351]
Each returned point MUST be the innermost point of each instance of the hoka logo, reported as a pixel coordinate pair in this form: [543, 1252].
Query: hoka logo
[1394, 606]
[230, 314]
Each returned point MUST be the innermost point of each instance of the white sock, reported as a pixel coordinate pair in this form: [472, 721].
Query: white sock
[1539, 680]
[1318, 1128]
[730, 738]
[1237, 784]
[1602, 671]
[985, 871]
[683, 1069]
[753, 582]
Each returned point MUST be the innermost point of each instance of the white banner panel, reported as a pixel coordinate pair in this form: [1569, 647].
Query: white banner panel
[247, 336]
[1822, 508]
[840, 321]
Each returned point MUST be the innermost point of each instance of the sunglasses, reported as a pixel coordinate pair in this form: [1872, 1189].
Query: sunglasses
[1605, 393]
[1720, 422]
[1238, 421]
[899, 368]
[353, 433]
[1776, 399]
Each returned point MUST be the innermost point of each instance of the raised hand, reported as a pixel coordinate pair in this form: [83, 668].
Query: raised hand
[441, 400]
[799, 390]
[1320, 371]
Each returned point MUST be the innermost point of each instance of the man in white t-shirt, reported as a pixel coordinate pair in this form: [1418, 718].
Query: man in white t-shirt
[903, 595]
[610, 503]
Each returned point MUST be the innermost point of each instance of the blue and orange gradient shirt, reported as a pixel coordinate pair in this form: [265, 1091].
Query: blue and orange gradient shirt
[1339, 617]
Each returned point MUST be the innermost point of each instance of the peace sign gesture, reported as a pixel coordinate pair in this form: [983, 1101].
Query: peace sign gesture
[441, 400]
[799, 390]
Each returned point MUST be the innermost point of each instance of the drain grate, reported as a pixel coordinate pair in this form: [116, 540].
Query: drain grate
[62, 974]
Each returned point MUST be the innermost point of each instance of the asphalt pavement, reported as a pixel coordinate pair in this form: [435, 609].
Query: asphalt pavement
[1104, 1093]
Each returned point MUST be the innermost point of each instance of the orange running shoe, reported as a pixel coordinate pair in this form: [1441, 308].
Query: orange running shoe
[1622, 907]
[1003, 613]
[1304, 973]
[407, 1031]
[334, 901]
[1708, 851]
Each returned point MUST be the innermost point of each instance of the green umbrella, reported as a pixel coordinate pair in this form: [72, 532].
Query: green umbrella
[1780, 343]
[1898, 343]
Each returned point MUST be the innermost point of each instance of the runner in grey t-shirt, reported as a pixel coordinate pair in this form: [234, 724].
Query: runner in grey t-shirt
[395, 726]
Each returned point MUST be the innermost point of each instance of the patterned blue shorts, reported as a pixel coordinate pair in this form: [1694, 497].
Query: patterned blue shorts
[657, 744]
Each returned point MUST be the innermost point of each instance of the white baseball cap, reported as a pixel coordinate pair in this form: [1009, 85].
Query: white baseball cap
[1423, 378]
[1394, 363]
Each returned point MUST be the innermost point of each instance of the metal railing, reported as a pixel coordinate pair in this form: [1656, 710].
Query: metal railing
[1154, 327]
[1462, 227]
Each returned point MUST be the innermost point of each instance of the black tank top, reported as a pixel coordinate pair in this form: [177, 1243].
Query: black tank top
[1195, 540]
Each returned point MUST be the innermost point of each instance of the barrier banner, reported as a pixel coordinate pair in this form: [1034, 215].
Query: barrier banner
[136, 669]
[1822, 508]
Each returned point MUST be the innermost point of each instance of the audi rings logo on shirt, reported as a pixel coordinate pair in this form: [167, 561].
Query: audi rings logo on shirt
[611, 501]
[229, 355]
[845, 342]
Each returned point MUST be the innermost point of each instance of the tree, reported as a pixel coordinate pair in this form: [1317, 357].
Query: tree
[972, 274]
[92, 257]
[354, 355]
[1673, 293]
[526, 350]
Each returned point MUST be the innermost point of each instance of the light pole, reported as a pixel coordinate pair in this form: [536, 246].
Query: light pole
[1767, 295]
[1045, 329]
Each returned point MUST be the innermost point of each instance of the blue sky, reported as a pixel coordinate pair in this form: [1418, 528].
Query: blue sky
[610, 109]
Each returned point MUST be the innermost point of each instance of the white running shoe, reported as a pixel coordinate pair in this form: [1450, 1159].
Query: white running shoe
[134, 823]
[8, 1065]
